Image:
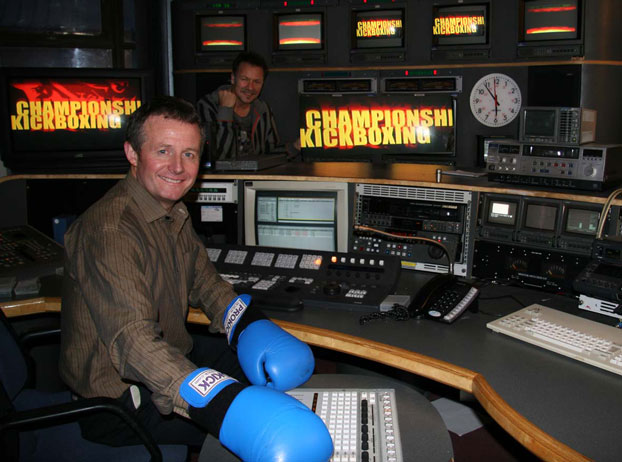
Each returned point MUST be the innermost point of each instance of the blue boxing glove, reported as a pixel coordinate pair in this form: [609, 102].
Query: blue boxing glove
[264, 348]
[255, 423]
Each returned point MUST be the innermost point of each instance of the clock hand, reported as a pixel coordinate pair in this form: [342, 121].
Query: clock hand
[494, 82]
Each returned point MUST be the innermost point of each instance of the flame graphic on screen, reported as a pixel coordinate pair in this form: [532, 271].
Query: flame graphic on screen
[552, 9]
[313, 22]
[550, 30]
[213, 43]
[76, 91]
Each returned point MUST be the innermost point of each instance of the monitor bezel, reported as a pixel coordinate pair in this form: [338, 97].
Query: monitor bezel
[355, 12]
[436, 45]
[278, 50]
[524, 43]
[541, 202]
[250, 189]
[567, 207]
[202, 52]
[489, 200]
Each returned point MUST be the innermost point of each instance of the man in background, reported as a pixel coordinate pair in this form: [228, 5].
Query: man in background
[238, 122]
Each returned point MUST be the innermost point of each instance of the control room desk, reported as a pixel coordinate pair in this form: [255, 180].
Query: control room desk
[558, 408]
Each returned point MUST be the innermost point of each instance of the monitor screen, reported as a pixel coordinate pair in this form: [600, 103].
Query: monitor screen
[66, 118]
[502, 212]
[460, 25]
[539, 122]
[360, 127]
[542, 217]
[221, 33]
[551, 20]
[582, 221]
[296, 219]
[302, 215]
[299, 31]
[378, 28]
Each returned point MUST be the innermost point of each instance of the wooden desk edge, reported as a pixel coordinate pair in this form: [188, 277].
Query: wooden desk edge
[530, 436]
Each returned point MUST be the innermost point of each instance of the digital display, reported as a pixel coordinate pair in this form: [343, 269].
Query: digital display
[460, 25]
[299, 31]
[551, 19]
[221, 33]
[299, 220]
[378, 29]
[502, 212]
[540, 216]
[582, 221]
[364, 127]
[538, 122]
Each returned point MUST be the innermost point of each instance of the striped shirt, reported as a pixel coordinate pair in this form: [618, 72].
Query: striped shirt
[131, 271]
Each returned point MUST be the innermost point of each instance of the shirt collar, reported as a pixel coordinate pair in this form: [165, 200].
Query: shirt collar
[150, 208]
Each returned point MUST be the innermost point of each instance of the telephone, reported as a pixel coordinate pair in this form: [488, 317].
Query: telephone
[443, 298]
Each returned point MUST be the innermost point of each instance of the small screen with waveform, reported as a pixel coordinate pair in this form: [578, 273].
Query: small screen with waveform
[581, 221]
[299, 31]
[378, 29]
[551, 19]
[221, 33]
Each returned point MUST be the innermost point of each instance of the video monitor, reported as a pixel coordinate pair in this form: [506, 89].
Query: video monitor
[501, 212]
[68, 119]
[299, 31]
[540, 216]
[550, 20]
[293, 214]
[396, 127]
[460, 25]
[378, 28]
[218, 33]
[581, 221]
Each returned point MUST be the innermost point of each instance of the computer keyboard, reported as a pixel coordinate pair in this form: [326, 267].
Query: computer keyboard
[577, 338]
[362, 422]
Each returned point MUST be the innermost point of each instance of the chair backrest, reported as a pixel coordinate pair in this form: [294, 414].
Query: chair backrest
[13, 366]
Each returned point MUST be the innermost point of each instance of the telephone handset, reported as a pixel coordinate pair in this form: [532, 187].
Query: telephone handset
[443, 298]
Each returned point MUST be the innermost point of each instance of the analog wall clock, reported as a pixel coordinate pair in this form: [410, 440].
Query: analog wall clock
[495, 100]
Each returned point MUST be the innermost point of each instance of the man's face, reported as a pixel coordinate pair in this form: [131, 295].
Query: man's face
[168, 162]
[247, 82]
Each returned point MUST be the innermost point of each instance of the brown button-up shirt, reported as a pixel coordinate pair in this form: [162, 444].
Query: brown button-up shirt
[131, 271]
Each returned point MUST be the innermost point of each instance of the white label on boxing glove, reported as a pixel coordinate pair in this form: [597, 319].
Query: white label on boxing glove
[234, 312]
[202, 385]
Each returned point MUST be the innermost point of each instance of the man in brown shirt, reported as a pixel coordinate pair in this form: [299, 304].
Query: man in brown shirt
[133, 266]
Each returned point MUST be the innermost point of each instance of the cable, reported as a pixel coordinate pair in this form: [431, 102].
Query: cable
[414, 238]
[605, 212]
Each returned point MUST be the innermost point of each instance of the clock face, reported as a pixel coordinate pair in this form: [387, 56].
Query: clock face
[495, 100]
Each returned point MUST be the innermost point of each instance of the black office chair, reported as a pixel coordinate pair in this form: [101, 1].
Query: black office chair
[40, 426]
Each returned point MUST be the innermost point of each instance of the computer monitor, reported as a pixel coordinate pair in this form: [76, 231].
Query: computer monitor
[397, 127]
[70, 119]
[293, 214]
